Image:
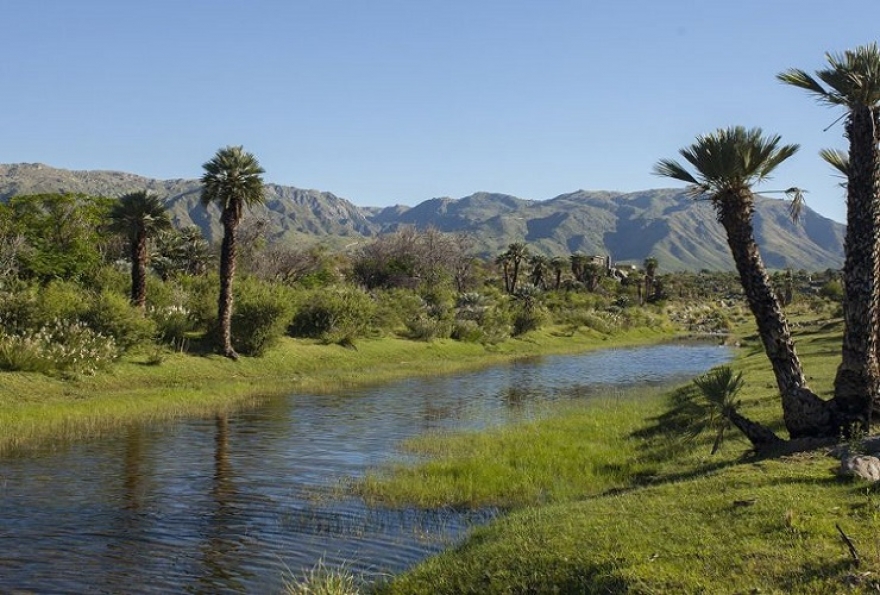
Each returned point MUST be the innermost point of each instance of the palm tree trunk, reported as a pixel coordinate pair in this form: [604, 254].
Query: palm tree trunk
[758, 435]
[805, 414]
[227, 274]
[858, 377]
[139, 270]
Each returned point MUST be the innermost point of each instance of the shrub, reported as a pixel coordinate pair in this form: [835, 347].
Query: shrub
[260, 317]
[173, 323]
[468, 331]
[201, 294]
[394, 307]
[32, 307]
[424, 327]
[334, 316]
[112, 315]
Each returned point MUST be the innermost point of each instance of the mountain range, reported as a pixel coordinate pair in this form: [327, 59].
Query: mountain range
[669, 225]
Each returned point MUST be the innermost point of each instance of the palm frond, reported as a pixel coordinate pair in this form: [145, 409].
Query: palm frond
[837, 159]
[852, 78]
[728, 161]
[797, 204]
[672, 169]
[799, 78]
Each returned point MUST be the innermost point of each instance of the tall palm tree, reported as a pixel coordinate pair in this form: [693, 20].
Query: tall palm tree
[852, 81]
[503, 262]
[518, 252]
[727, 163]
[557, 263]
[650, 274]
[539, 264]
[232, 179]
[138, 216]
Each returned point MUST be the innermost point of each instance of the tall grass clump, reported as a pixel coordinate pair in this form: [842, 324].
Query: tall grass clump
[323, 580]
[63, 346]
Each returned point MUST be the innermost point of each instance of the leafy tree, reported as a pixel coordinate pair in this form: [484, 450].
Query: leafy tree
[232, 180]
[852, 81]
[138, 216]
[61, 232]
[182, 251]
[727, 163]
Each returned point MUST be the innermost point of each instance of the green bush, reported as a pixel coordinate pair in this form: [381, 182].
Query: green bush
[260, 316]
[467, 331]
[201, 293]
[112, 315]
[394, 307]
[173, 323]
[334, 315]
[29, 308]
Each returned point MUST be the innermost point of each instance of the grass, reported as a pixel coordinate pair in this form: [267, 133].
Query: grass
[37, 410]
[627, 505]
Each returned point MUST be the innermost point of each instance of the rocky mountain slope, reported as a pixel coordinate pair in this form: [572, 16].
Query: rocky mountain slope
[666, 224]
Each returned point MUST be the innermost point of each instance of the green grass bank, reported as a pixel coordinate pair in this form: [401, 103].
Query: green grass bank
[610, 497]
[36, 410]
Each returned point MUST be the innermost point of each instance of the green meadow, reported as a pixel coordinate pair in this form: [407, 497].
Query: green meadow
[616, 496]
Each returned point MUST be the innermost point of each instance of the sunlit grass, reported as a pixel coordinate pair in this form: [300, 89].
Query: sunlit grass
[581, 449]
[667, 518]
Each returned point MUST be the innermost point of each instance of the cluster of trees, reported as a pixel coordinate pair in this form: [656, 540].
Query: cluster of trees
[98, 275]
[726, 164]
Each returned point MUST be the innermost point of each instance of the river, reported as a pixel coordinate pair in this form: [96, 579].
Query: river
[231, 505]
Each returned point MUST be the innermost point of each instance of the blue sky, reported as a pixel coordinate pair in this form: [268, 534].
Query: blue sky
[398, 101]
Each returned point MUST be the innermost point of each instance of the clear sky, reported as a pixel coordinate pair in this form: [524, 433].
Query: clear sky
[398, 101]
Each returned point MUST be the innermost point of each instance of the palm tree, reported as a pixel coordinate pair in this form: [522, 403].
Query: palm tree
[728, 163]
[517, 252]
[579, 262]
[231, 180]
[650, 274]
[557, 263]
[539, 270]
[852, 80]
[139, 215]
[503, 261]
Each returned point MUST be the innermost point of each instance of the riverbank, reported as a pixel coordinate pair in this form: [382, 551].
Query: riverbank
[652, 512]
[37, 410]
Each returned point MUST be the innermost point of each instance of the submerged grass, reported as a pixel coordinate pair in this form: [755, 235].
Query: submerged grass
[38, 410]
[642, 509]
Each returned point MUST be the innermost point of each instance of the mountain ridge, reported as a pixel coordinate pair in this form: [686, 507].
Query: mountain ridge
[681, 233]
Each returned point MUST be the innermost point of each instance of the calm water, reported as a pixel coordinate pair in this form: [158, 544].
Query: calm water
[232, 504]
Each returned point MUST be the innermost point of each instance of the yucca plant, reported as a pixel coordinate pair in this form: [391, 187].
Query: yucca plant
[720, 388]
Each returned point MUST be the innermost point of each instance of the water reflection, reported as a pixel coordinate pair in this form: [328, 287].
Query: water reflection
[224, 505]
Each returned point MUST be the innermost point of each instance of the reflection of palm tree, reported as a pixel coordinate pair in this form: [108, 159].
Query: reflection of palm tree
[727, 164]
[852, 81]
[222, 565]
[133, 474]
